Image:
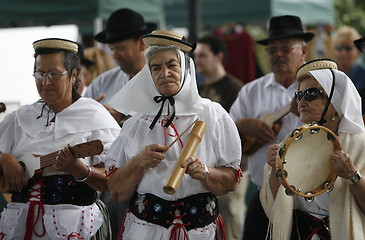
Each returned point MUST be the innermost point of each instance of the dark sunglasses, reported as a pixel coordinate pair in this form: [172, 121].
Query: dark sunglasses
[309, 94]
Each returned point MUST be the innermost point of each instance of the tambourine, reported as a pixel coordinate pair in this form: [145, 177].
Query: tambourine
[302, 161]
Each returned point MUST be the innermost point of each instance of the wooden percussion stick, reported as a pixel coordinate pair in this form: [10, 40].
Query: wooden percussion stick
[188, 150]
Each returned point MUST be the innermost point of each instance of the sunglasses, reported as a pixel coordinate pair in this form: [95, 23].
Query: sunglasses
[347, 48]
[309, 94]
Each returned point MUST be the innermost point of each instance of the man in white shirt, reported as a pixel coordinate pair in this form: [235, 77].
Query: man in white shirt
[286, 48]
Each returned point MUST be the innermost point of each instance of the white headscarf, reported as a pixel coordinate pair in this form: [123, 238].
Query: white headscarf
[346, 99]
[137, 95]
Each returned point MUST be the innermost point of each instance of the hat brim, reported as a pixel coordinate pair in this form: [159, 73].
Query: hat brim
[358, 43]
[86, 62]
[307, 36]
[103, 38]
[153, 39]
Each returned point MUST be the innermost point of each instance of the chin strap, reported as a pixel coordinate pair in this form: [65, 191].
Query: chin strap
[322, 120]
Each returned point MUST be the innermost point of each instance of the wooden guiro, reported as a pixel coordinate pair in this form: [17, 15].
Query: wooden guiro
[188, 150]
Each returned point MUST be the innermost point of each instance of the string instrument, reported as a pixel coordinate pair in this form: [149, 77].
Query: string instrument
[250, 145]
[31, 163]
[188, 150]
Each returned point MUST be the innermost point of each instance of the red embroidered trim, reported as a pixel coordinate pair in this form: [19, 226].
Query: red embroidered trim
[239, 174]
[110, 171]
[74, 234]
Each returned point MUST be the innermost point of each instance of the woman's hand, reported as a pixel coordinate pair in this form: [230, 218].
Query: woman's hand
[195, 168]
[341, 164]
[14, 175]
[151, 155]
[271, 153]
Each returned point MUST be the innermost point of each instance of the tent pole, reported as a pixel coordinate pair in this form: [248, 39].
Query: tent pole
[98, 27]
[193, 19]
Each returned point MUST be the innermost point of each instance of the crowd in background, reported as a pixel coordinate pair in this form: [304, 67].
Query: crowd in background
[228, 61]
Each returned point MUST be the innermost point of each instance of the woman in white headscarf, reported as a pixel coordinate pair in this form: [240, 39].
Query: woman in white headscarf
[163, 101]
[326, 96]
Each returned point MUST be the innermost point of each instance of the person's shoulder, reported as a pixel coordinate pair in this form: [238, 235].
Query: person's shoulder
[111, 73]
[352, 138]
[361, 92]
[252, 87]
[258, 82]
[212, 108]
[233, 80]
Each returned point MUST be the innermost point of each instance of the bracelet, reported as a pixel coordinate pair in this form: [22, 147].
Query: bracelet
[85, 178]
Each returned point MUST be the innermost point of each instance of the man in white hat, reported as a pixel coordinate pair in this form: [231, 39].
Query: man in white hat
[163, 100]
[286, 48]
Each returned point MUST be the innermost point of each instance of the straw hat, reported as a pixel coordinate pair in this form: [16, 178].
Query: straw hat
[321, 63]
[167, 37]
[57, 43]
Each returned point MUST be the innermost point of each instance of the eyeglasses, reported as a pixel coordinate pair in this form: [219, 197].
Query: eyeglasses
[40, 76]
[347, 48]
[309, 95]
[285, 49]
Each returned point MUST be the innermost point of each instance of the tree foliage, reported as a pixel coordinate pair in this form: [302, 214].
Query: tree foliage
[352, 13]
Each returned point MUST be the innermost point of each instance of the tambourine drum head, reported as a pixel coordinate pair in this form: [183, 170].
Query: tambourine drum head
[307, 160]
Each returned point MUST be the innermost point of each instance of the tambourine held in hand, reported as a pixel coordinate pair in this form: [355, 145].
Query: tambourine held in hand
[303, 161]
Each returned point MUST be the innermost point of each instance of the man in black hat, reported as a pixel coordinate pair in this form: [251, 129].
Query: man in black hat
[123, 33]
[270, 95]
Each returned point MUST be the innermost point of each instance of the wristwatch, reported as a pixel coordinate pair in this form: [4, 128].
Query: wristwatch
[206, 169]
[354, 178]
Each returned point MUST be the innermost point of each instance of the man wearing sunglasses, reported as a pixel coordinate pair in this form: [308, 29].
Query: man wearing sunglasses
[347, 55]
[286, 48]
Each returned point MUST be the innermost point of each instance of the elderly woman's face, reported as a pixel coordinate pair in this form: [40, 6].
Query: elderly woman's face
[55, 92]
[166, 72]
[313, 101]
